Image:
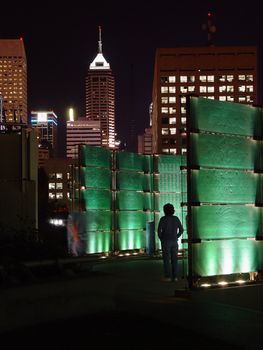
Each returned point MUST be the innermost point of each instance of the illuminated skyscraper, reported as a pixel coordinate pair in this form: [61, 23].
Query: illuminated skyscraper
[222, 73]
[100, 97]
[13, 81]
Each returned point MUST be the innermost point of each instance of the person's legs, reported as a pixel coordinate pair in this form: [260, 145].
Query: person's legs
[174, 264]
[166, 259]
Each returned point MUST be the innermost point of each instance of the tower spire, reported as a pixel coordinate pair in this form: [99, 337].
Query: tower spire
[100, 42]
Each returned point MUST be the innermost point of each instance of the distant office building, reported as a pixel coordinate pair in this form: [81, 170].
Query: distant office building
[13, 81]
[100, 97]
[46, 123]
[222, 73]
[145, 142]
[82, 131]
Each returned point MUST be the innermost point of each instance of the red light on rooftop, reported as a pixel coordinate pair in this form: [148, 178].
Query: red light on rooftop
[209, 14]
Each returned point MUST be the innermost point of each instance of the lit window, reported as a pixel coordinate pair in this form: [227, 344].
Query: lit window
[222, 88]
[183, 110]
[172, 110]
[230, 98]
[164, 110]
[183, 150]
[210, 78]
[165, 131]
[191, 88]
[164, 100]
[172, 99]
[249, 88]
[210, 89]
[172, 89]
[51, 195]
[242, 88]
[51, 186]
[230, 88]
[183, 89]
[241, 77]
[249, 98]
[59, 195]
[172, 131]
[242, 99]
[202, 78]
[192, 78]
[172, 120]
[165, 150]
[59, 175]
[222, 98]
[164, 89]
[52, 176]
[183, 99]
[222, 78]
[229, 78]
[183, 79]
[202, 89]
[183, 120]
[172, 79]
[59, 186]
[249, 77]
[172, 150]
[211, 97]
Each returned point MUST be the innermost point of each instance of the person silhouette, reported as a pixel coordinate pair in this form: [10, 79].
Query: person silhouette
[169, 230]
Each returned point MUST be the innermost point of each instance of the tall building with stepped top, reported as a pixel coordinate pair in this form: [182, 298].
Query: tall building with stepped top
[100, 96]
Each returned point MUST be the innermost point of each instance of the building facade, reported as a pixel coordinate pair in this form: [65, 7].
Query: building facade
[145, 142]
[222, 73]
[100, 97]
[13, 81]
[82, 131]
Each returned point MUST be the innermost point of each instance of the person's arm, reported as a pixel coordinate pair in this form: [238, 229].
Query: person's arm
[181, 229]
[159, 230]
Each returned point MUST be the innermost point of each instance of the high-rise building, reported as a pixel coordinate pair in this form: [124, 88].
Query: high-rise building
[100, 96]
[222, 73]
[13, 81]
[46, 123]
[82, 131]
[145, 142]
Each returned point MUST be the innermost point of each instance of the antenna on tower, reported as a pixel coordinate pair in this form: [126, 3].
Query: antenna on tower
[210, 28]
[100, 42]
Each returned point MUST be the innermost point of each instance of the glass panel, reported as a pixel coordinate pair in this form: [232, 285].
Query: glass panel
[131, 239]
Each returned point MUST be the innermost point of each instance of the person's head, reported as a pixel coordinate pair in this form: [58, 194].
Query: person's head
[168, 209]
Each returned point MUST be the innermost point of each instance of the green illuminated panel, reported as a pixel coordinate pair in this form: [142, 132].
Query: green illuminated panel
[96, 199]
[130, 200]
[219, 186]
[212, 258]
[98, 242]
[226, 221]
[96, 177]
[148, 182]
[95, 156]
[131, 220]
[162, 198]
[168, 182]
[169, 163]
[224, 151]
[148, 201]
[129, 180]
[129, 161]
[148, 164]
[225, 117]
[96, 220]
[131, 239]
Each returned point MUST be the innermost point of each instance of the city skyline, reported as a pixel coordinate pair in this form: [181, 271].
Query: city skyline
[60, 44]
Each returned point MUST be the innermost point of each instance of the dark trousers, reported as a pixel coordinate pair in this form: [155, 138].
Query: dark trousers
[169, 253]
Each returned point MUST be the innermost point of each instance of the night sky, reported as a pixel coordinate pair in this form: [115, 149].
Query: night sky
[61, 40]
